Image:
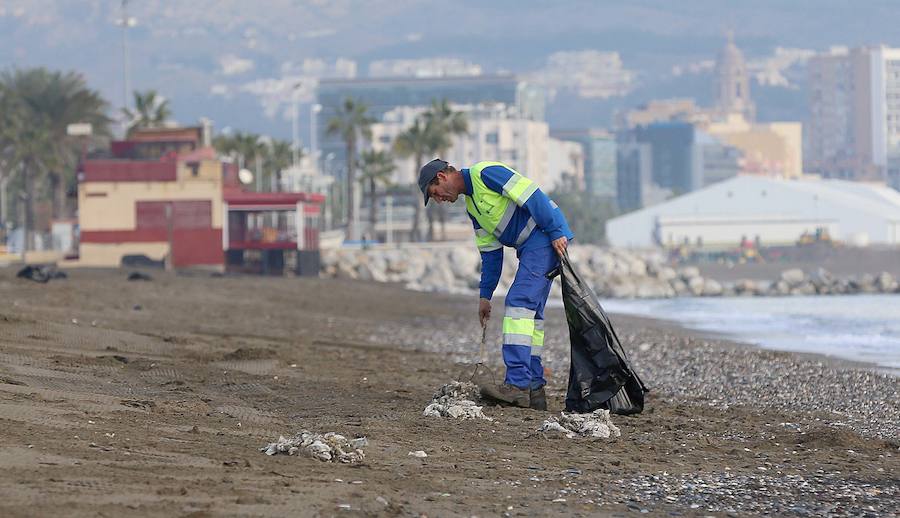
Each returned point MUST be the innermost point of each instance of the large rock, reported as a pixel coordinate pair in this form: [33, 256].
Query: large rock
[679, 287]
[793, 276]
[637, 267]
[804, 288]
[745, 287]
[711, 288]
[822, 277]
[438, 277]
[781, 288]
[665, 273]
[886, 283]
[346, 268]
[396, 262]
[695, 285]
[654, 288]
[622, 289]
[689, 272]
[464, 262]
[602, 263]
[865, 283]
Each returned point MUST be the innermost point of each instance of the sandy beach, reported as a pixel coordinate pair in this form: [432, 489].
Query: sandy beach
[153, 399]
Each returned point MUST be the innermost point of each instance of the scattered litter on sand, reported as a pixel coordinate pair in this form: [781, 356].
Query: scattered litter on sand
[329, 447]
[418, 454]
[456, 400]
[595, 424]
[40, 273]
[139, 276]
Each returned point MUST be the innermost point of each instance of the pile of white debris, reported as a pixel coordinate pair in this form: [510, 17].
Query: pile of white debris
[457, 400]
[596, 424]
[329, 447]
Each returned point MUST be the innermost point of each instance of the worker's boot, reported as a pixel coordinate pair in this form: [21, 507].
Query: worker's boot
[538, 399]
[506, 393]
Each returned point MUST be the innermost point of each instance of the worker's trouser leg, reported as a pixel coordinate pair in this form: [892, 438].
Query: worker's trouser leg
[523, 322]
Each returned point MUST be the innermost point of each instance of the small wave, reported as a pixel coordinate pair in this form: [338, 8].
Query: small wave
[862, 328]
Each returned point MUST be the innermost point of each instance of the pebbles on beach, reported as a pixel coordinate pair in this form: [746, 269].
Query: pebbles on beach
[597, 424]
[813, 494]
[456, 400]
[329, 447]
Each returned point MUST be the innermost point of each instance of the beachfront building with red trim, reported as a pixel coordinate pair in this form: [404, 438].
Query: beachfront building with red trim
[165, 196]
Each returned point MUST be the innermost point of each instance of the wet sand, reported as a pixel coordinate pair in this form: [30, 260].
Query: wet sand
[152, 399]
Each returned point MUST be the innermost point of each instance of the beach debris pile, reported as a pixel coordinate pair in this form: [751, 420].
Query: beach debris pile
[596, 424]
[329, 447]
[40, 273]
[456, 400]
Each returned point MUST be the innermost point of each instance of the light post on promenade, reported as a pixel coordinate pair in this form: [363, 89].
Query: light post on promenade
[313, 137]
[126, 22]
[295, 120]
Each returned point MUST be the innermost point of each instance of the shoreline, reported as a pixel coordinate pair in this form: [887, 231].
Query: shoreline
[152, 398]
[726, 340]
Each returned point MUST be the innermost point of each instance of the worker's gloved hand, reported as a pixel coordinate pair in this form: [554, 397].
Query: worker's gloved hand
[484, 310]
[560, 245]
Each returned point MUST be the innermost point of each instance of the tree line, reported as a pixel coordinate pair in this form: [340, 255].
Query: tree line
[38, 157]
[430, 135]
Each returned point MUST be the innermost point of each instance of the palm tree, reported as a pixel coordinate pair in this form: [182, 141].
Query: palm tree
[279, 156]
[445, 123]
[418, 142]
[151, 111]
[39, 107]
[351, 123]
[376, 167]
[249, 148]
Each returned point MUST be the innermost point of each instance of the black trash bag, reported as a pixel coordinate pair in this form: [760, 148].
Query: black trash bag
[600, 375]
[36, 273]
[139, 276]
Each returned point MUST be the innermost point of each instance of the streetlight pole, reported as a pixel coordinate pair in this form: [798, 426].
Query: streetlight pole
[314, 137]
[125, 22]
[295, 113]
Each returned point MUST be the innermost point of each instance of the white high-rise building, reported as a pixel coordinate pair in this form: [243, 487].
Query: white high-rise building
[496, 132]
[854, 114]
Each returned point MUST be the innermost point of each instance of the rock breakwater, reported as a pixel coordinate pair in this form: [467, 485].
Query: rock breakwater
[613, 273]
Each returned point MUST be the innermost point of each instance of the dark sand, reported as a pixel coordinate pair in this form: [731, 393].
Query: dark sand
[152, 399]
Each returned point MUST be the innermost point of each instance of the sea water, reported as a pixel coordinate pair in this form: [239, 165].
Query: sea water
[862, 328]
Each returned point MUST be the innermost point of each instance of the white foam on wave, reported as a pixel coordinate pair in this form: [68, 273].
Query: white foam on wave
[854, 327]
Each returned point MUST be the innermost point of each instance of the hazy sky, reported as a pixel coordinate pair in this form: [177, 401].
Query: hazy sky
[190, 49]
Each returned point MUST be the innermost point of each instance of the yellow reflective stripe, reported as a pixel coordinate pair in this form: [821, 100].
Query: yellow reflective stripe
[520, 190]
[489, 247]
[537, 338]
[486, 242]
[518, 326]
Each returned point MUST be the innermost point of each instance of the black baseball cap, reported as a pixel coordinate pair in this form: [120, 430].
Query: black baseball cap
[428, 173]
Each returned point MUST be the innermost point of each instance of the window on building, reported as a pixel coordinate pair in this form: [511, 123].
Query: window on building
[384, 139]
[492, 138]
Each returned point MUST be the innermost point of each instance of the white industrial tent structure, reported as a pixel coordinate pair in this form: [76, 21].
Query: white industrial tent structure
[776, 211]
